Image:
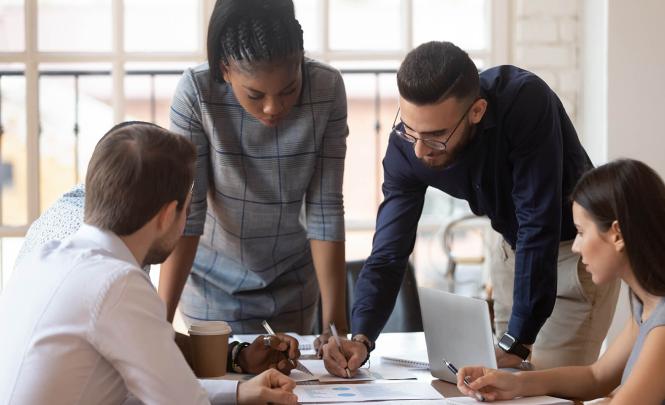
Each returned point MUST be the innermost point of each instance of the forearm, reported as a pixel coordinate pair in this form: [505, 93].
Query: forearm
[577, 382]
[174, 271]
[330, 266]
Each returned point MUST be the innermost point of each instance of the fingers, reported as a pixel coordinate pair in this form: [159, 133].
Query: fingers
[333, 359]
[289, 344]
[279, 380]
[357, 353]
[319, 342]
[278, 396]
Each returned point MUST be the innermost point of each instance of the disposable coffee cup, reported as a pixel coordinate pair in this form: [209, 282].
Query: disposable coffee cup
[209, 345]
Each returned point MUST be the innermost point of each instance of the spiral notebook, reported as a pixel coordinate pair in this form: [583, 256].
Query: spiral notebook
[404, 362]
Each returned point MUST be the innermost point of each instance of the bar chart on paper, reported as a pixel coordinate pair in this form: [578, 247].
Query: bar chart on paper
[365, 392]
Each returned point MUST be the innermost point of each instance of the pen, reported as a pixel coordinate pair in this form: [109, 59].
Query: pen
[454, 370]
[271, 332]
[333, 329]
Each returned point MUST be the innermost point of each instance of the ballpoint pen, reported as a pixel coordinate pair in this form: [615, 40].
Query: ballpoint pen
[296, 364]
[333, 329]
[454, 370]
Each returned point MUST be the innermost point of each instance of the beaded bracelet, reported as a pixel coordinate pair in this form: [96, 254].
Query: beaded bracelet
[234, 356]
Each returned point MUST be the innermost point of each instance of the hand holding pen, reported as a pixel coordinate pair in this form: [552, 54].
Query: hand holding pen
[291, 358]
[273, 351]
[465, 379]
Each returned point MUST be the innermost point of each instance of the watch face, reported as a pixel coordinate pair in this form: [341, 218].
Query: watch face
[506, 342]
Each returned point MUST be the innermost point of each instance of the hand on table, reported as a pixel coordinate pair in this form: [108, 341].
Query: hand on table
[492, 384]
[271, 386]
[259, 357]
[319, 342]
[336, 363]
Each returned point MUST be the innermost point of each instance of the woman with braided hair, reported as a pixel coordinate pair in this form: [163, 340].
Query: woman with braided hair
[267, 213]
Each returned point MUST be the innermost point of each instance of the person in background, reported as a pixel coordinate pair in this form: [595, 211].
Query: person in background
[266, 229]
[502, 141]
[619, 213]
[86, 324]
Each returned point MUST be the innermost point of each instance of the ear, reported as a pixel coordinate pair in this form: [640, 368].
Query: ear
[225, 72]
[477, 111]
[617, 237]
[166, 215]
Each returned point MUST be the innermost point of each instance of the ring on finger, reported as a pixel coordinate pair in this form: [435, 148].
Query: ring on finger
[266, 341]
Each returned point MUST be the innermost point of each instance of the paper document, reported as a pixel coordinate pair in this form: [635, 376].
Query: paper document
[375, 372]
[365, 392]
[319, 370]
[541, 400]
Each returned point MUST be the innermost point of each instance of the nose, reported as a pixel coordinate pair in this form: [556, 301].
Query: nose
[421, 149]
[576, 245]
[272, 106]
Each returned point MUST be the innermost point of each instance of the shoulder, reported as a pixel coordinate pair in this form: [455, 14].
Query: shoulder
[325, 81]
[197, 82]
[507, 84]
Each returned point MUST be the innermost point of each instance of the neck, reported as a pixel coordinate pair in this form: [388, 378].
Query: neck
[137, 244]
[649, 301]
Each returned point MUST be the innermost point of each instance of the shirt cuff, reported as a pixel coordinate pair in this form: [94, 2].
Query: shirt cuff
[525, 329]
[221, 391]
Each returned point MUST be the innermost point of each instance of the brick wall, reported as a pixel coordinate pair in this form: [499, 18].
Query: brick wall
[546, 41]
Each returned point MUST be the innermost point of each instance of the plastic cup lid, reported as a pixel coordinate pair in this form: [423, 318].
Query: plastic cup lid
[210, 328]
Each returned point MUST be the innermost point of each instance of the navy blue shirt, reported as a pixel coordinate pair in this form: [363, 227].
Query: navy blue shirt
[519, 170]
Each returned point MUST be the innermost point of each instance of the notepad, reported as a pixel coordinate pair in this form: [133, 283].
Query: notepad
[541, 400]
[410, 363]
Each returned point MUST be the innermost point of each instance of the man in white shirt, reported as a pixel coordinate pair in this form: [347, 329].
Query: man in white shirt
[82, 322]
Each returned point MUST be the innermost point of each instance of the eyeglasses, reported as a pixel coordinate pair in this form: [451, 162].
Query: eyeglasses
[430, 143]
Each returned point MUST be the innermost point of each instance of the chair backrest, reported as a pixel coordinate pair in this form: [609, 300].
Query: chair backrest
[406, 314]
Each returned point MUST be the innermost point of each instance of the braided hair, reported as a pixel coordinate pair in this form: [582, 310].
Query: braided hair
[252, 32]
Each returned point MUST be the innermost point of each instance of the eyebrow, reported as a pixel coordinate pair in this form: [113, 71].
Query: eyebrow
[281, 91]
[436, 131]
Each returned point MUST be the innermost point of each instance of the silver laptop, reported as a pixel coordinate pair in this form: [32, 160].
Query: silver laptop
[458, 329]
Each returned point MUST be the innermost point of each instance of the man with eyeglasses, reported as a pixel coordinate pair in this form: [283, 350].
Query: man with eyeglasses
[503, 142]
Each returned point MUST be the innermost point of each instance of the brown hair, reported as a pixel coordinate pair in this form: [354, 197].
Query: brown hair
[631, 193]
[135, 169]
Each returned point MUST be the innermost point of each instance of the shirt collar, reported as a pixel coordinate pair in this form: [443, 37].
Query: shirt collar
[107, 240]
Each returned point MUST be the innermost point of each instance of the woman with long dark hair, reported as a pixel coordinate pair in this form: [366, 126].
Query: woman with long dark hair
[619, 213]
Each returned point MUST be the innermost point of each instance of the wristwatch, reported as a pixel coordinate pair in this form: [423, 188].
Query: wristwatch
[509, 344]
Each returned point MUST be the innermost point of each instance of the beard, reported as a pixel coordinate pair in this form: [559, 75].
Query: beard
[158, 252]
[450, 156]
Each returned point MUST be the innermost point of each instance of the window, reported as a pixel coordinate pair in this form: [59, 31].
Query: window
[69, 69]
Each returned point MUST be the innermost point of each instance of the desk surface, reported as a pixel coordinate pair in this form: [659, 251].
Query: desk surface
[411, 345]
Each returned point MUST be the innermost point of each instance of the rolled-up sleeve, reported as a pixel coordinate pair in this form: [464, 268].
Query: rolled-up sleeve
[325, 201]
[186, 119]
[536, 158]
[396, 226]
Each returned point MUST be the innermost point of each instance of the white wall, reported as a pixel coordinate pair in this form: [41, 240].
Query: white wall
[636, 81]
[623, 65]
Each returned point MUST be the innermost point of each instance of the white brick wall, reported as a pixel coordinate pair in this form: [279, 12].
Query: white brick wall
[546, 42]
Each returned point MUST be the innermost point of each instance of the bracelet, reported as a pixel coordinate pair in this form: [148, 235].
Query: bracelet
[229, 356]
[234, 356]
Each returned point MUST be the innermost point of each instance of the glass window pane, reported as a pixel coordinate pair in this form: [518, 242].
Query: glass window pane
[307, 13]
[379, 19]
[149, 89]
[13, 157]
[75, 25]
[163, 26]
[12, 26]
[366, 145]
[463, 22]
[60, 169]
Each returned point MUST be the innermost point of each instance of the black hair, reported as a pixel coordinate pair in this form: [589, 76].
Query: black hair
[631, 193]
[435, 71]
[251, 32]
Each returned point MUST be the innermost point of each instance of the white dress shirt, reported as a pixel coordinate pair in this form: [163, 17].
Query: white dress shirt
[82, 324]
